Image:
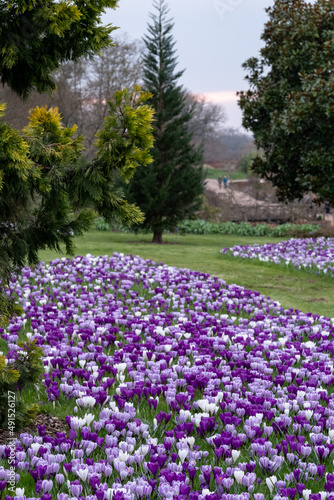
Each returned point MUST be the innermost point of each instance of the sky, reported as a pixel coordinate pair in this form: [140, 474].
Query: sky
[213, 39]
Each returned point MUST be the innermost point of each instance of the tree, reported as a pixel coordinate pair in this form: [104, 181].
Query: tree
[49, 192]
[207, 119]
[170, 188]
[290, 104]
[36, 36]
[83, 89]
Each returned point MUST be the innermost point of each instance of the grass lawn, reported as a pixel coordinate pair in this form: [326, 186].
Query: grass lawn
[214, 173]
[296, 289]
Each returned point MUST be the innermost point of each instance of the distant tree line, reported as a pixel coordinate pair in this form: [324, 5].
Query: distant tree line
[84, 88]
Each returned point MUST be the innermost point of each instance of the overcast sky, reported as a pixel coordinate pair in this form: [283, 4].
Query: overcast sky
[213, 38]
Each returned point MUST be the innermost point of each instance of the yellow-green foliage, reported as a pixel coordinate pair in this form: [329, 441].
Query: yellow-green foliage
[14, 150]
[25, 370]
[49, 193]
[49, 141]
[8, 308]
[8, 374]
[29, 362]
[127, 137]
[36, 37]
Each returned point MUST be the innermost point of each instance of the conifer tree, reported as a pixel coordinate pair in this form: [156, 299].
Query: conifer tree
[36, 36]
[170, 188]
[48, 192]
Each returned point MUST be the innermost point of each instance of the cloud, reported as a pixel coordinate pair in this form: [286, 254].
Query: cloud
[224, 96]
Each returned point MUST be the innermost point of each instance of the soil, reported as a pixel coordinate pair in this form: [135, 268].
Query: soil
[255, 201]
[52, 426]
[239, 197]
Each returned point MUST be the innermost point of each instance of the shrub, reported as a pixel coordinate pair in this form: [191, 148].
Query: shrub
[101, 224]
[24, 368]
[244, 228]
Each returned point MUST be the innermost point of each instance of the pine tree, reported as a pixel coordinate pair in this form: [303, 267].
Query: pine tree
[169, 189]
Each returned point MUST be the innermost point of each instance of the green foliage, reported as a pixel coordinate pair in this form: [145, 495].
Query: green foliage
[101, 225]
[37, 35]
[131, 147]
[290, 106]
[197, 226]
[50, 193]
[29, 363]
[246, 162]
[214, 173]
[22, 372]
[170, 188]
[124, 141]
[243, 228]
[8, 308]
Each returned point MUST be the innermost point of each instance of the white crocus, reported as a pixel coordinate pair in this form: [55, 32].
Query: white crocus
[123, 456]
[271, 481]
[183, 454]
[308, 414]
[82, 473]
[203, 404]
[213, 408]
[88, 401]
[191, 442]
[89, 417]
[142, 450]
[35, 447]
[238, 474]
[120, 367]
[331, 434]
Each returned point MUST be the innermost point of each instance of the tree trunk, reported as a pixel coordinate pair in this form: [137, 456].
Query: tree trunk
[157, 237]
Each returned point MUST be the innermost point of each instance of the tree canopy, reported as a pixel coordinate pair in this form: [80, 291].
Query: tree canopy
[49, 193]
[290, 104]
[36, 36]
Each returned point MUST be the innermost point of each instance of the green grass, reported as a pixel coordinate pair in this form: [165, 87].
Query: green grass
[214, 173]
[292, 288]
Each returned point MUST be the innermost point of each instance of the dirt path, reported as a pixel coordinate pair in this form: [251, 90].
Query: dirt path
[238, 197]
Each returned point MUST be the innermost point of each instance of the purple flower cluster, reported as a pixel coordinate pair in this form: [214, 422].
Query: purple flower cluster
[312, 254]
[182, 387]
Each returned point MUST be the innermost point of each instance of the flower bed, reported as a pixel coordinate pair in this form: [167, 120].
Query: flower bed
[182, 387]
[311, 254]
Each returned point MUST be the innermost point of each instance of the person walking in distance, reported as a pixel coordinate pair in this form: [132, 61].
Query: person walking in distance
[327, 206]
[220, 180]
